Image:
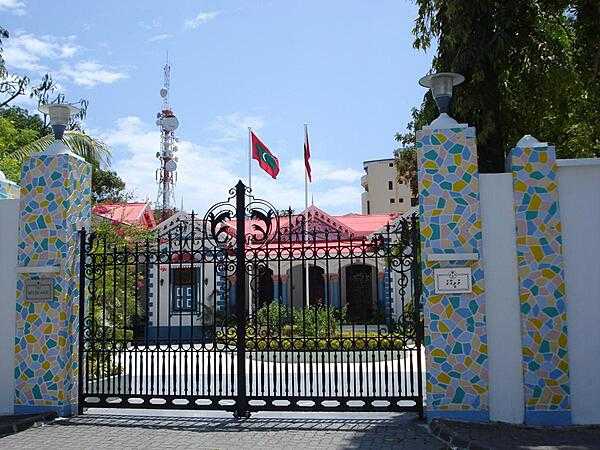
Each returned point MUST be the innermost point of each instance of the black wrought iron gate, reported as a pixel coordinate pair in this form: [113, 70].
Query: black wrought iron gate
[248, 308]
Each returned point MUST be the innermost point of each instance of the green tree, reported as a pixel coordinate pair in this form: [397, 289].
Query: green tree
[17, 129]
[115, 290]
[22, 134]
[406, 168]
[107, 186]
[527, 68]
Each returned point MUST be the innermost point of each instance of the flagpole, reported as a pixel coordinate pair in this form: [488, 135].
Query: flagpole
[306, 215]
[250, 158]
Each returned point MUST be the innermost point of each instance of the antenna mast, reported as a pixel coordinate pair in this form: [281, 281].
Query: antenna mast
[166, 175]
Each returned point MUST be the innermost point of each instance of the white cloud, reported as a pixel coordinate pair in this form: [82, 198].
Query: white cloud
[234, 127]
[323, 170]
[28, 52]
[15, 6]
[39, 54]
[206, 172]
[200, 19]
[151, 25]
[160, 37]
[90, 73]
[136, 144]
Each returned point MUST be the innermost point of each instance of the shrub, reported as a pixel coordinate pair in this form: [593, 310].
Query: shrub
[317, 321]
[274, 316]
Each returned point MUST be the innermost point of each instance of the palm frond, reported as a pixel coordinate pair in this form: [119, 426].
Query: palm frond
[89, 148]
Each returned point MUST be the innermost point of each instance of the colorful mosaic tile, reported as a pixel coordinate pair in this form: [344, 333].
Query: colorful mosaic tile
[541, 278]
[54, 205]
[456, 338]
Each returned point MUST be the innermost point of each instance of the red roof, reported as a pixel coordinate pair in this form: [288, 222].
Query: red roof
[364, 224]
[348, 226]
[127, 213]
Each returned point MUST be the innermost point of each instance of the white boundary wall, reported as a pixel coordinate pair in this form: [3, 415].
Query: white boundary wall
[9, 213]
[579, 196]
[502, 298]
[579, 202]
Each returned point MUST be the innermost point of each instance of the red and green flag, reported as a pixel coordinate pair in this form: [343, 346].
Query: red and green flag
[266, 160]
[307, 155]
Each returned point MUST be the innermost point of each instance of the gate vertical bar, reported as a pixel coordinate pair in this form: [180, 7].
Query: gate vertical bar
[417, 316]
[81, 343]
[240, 297]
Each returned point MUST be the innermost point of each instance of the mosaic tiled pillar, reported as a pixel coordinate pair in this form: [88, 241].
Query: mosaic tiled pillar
[455, 330]
[8, 189]
[55, 193]
[541, 283]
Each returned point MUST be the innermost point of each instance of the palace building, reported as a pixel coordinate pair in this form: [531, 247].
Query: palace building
[311, 259]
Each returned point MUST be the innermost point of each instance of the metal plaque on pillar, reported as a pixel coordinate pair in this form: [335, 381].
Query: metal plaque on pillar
[455, 280]
[39, 291]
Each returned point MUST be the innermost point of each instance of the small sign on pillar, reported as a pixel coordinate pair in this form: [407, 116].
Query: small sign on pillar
[39, 291]
[455, 280]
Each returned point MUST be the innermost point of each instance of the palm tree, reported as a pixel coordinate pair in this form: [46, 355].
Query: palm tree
[91, 149]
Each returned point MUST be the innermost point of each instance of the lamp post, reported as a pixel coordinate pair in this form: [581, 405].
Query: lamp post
[60, 114]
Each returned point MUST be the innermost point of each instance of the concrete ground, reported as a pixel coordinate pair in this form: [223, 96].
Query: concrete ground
[501, 436]
[156, 429]
[143, 429]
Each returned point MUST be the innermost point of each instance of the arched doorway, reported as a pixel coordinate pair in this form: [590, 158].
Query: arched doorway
[359, 293]
[316, 285]
[265, 289]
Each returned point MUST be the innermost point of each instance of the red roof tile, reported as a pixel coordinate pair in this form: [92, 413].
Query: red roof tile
[126, 213]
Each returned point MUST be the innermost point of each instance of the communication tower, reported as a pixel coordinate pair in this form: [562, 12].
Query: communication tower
[166, 175]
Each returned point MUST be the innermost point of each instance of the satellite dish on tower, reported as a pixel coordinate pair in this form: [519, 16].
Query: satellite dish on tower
[163, 93]
[169, 123]
[170, 166]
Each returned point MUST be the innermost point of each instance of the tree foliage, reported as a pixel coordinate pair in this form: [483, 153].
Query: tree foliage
[17, 129]
[116, 293]
[532, 67]
[107, 186]
[406, 168]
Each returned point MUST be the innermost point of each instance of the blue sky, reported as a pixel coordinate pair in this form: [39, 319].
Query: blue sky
[346, 67]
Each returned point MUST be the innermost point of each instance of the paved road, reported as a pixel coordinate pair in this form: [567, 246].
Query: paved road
[121, 429]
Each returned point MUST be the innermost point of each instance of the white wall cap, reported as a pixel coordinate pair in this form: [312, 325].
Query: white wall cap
[58, 147]
[578, 162]
[444, 122]
[5, 180]
[530, 141]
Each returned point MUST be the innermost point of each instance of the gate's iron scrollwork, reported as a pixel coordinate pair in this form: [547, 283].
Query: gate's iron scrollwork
[248, 309]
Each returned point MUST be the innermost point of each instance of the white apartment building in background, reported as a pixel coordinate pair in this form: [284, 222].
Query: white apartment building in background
[383, 193]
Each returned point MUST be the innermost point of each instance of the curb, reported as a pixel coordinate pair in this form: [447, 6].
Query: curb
[441, 431]
[14, 424]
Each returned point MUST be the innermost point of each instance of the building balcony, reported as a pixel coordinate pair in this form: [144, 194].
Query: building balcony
[363, 181]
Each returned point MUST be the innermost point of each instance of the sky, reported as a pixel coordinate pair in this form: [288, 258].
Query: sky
[347, 68]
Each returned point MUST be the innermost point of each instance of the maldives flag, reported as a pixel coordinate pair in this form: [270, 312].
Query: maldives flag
[307, 154]
[266, 160]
